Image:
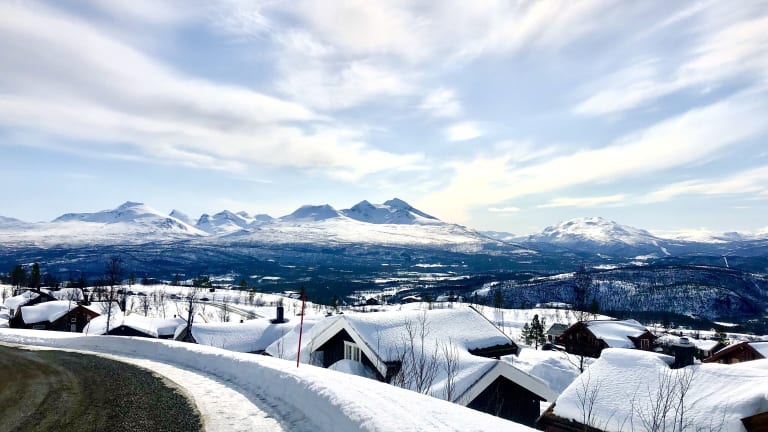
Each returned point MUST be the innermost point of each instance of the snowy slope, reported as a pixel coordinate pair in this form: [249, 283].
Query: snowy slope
[394, 211]
[312, 213]
[599, 235]
[224, 222]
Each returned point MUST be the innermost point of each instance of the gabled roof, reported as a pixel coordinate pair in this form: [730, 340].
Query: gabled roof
[513, 374]
[154, 327]
[615, 333]
[383, 337]
[48, 311]
[759, 348]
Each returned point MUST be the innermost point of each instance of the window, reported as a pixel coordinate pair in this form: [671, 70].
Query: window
[351, 351]
[644, 344]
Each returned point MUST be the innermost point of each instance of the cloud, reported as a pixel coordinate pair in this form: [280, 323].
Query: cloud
[585, 201]
[696, 135]
[504, 209]
[442, 103]
[109, 95]
[752, 182]
[463, 131]
[736, 49]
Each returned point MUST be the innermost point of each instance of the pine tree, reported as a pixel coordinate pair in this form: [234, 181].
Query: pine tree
[534, 333]
[34, 276]
[527, 334]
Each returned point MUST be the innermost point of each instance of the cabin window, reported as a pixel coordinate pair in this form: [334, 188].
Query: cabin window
[644, 345]
[351, 351]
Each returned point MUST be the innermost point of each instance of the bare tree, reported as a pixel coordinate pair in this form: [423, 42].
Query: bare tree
[144, 304]
[418, 365]
[581, 291]
[450, 366]
[586, 396]
[190, 305]
[4, 293]
[113, 271]
[223, 312]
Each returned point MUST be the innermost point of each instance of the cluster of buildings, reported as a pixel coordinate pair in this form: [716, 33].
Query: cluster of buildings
[459, 355]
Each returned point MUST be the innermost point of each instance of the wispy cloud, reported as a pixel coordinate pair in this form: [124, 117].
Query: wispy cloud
[442, 103]
[463, 131]
[504, 209]
[585, 201]
[113, 93]
[678, 141]
[751, 182]
[738, 49]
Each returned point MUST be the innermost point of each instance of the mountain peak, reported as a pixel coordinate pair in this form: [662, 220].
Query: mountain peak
[394, 211]
[313, 213]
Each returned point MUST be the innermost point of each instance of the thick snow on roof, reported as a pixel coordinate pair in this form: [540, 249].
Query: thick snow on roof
[249, 336]
[761, 347]
[152, 326]
[557, 369]
[330, 401]
[463, 326]
[48, 311]
[702, 344]
[615, 333]
[20, 300]
[628, 384]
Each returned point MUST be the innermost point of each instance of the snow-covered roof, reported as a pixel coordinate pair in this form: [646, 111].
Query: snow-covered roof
[616, 333]
[556, 368]
[760, 347]
[383, 336]
[705, 345]
[20, 300]
[249, 336]
[47, 311]
[102, 307]
[155, 327]
[627, 384]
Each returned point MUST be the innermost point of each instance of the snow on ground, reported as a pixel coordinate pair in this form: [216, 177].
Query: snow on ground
[626, 385]
[326, 400]
[249, 336]
[556, 368]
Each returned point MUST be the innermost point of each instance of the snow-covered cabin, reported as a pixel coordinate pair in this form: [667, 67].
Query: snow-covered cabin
[704, 348]
[626, 390]
[402, 347]
[740, 352]
[134, 325]
[590, 338]
[26, 298]
[252, 336]
[60, 315]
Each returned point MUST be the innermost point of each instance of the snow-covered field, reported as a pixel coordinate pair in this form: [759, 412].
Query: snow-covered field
[311, 398]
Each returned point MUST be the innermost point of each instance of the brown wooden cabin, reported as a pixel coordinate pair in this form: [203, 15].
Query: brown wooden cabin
[737, 353]
[756, 423]
[73, 321]
[586, 338]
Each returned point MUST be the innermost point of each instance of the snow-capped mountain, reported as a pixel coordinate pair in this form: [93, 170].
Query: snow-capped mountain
[223, 222]
[133, 214]
[182, 217]
[312, 213]
[394, 211]
[595, 234]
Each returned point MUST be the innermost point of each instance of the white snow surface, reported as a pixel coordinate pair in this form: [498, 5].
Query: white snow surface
[155, 327]
[761, 347]
[557, 369]
[311, 398]
[614, 333]
[20, 300]
[594, 229]
[249, 336]
[352, 367]
[47, 311]
[627, 377]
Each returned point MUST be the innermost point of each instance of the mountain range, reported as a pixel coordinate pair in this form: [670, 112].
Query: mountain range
[394, 222]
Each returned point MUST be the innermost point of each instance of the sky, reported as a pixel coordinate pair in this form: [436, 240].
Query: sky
[498, 115]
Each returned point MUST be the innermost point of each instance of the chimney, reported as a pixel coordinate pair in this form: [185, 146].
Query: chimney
[280, 318]
[684, 352]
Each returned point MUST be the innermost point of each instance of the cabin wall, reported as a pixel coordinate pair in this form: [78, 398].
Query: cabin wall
[505, 399]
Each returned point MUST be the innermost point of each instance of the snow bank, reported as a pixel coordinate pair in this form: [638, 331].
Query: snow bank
[332, 401]
[353, 368]
[627, 381]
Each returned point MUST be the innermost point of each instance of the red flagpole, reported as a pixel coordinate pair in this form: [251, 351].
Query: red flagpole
[301, 327]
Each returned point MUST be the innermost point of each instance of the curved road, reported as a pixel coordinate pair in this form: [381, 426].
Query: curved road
[66, 391]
